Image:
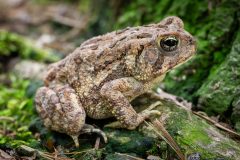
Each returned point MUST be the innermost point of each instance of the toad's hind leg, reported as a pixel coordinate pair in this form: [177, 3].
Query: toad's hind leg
[60, 109]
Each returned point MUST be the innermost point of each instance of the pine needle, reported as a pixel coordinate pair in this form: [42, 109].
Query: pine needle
[159, 129]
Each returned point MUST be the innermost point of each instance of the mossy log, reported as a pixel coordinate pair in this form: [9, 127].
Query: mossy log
[194, 135]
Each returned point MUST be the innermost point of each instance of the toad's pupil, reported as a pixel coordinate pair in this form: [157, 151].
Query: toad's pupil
[170, 42]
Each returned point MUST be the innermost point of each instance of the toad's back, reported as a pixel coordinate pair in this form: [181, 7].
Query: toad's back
[102, 58]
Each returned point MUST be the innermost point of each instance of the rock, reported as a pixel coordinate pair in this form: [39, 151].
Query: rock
[195, 137]
[194, 156]
[193, 134]
[29, 69]
[217, 93]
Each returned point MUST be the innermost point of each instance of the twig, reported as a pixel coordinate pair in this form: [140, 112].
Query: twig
[5, 118]
[67, 21]
[171, 97]
[216, 124]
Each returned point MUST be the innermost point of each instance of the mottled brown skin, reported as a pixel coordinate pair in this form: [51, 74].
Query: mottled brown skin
[101, 77]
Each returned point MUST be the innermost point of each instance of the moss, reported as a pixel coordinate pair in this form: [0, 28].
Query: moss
[222, 84]
[237, 126]
[114, 157]
[17, 112]
[194, 135]
[125, 141]
[235, 117]
[185, 125]
[90, 154]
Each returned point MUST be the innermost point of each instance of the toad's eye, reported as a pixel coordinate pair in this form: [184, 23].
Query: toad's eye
[169, 43]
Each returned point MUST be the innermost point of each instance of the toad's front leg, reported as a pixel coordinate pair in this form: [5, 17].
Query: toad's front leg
[119, 93]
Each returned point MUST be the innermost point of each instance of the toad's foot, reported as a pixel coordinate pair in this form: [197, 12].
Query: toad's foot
[147, 113]
[91, 129]
[88, 129]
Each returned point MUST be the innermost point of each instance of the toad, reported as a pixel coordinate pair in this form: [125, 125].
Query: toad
[102, 76]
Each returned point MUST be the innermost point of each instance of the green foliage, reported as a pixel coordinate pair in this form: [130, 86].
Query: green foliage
[13, 45]
[141, 12]
[16, 114]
